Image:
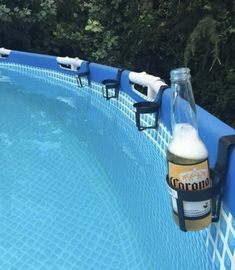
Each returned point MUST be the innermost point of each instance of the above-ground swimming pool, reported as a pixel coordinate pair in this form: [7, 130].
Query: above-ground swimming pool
[81, 188]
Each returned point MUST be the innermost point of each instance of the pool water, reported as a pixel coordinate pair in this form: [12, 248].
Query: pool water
[80, 187]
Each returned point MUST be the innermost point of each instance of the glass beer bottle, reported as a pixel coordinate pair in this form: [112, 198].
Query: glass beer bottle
[187, 155]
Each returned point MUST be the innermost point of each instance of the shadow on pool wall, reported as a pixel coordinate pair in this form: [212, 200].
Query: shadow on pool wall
[211, 130]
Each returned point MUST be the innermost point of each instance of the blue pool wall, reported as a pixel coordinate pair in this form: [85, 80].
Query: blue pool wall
[210, 127]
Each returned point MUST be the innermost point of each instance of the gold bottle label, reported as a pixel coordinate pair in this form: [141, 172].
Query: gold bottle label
[190, 177]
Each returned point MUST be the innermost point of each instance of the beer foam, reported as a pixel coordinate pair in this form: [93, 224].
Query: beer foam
[186, 143]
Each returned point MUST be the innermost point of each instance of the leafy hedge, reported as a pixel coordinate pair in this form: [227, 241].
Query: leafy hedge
[154, 36]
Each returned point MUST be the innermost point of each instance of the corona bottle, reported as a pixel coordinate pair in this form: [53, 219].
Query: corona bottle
[187, 155]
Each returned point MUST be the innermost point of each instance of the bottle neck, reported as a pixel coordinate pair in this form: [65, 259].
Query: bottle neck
[183, 105]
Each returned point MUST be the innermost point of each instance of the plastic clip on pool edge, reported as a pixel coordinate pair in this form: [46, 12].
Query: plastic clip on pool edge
[4, 53]
[215, 192]
[109, 84]
[148, 107]
[86, 74]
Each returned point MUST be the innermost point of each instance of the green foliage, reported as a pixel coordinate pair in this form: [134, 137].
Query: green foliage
[204, 33]
[94, 26]
[155, 36]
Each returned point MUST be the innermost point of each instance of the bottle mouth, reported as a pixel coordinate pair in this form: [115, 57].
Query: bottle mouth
[180, 74]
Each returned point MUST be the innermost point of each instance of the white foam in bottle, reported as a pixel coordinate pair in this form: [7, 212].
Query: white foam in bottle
[186, 143]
